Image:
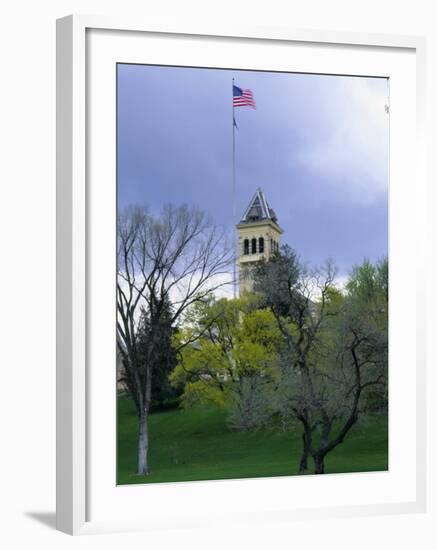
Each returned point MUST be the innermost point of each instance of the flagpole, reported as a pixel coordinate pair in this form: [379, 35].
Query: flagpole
[234, 207]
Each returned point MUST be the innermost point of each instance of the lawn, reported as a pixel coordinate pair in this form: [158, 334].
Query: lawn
[196, 444]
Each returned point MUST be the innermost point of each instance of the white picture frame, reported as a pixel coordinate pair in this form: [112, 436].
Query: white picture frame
[74, 290]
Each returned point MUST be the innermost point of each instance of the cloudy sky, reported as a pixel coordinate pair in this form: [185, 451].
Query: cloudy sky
[317, 145]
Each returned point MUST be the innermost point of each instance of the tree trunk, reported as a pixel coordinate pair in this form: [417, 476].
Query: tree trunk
[143, 444]
[319, 464]
[303, 465]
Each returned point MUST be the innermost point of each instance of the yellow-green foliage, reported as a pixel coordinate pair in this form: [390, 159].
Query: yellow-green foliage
[227, 340]
[202, 391]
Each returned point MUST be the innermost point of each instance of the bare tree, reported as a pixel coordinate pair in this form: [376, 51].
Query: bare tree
[165, 264]
[334, 352]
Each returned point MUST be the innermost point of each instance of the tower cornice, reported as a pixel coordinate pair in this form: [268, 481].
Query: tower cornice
[260, 223]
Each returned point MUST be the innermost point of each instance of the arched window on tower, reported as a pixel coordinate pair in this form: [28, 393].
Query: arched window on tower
[253, 246]
[246, 246]
[261, 245]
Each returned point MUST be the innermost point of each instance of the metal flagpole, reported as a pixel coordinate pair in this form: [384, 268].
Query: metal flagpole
[234, 206]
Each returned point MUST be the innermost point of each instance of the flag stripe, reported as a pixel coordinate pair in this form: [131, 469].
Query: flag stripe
[243, 98]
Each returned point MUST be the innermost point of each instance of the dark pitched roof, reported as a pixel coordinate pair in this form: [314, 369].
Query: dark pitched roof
[258, 209]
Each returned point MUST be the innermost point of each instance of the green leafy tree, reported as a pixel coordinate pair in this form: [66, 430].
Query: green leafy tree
[369, 281]
[367, 312]
[233, 362]
[163, 394]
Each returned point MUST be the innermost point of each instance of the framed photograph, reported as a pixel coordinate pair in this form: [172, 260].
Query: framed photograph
[240, 243]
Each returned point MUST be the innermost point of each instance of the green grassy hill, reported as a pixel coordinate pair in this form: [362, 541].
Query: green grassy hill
[196, 444]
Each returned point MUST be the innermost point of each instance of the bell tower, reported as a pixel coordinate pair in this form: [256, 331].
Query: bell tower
[258, 238]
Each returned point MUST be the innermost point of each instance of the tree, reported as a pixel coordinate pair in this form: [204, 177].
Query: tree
[163, 393]
[334, 350]
[367, 301]
[368, 281]
[165, 264]
[233, 363]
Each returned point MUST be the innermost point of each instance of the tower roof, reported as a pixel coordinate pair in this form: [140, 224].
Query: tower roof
[258, 209]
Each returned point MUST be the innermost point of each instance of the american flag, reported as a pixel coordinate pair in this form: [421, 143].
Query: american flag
[243, 98]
